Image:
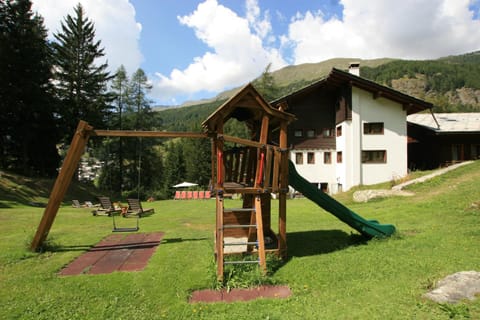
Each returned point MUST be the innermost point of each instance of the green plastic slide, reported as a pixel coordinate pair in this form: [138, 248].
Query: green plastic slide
[368, 228]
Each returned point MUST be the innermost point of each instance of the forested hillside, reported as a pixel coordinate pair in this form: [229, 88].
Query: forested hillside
[452, 84]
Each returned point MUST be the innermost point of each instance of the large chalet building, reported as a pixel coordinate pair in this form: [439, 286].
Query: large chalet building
[349, 130]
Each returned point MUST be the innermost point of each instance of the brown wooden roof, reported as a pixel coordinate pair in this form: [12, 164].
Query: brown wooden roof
[246, 105]
[338, 78]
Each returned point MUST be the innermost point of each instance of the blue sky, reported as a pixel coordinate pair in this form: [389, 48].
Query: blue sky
[196, 49]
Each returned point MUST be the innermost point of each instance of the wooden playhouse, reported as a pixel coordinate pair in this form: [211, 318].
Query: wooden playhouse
[253, 169]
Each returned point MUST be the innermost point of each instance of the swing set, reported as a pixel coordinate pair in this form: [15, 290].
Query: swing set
[254, 169]
[109, 207]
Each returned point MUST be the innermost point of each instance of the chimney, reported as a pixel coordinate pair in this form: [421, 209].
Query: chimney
[354, 68]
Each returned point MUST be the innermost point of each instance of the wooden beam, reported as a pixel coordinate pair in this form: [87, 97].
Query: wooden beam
[149, 134]
[77, 148]
[377, 94]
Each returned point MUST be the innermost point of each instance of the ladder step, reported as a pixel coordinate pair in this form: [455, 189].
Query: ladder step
[242, 262]
[240, 243]
[231, 226]
[239, 210]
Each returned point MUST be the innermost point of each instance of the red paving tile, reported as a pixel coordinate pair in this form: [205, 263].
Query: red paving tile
[116, 253]
[234, 295]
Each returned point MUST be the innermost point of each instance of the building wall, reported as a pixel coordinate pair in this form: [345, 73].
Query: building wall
[393, 141]
[313, 112]
[319, 172]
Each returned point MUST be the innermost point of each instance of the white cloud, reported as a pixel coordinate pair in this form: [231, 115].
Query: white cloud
[262, 27]
[377, 28]
[115, 27]
[237, 54]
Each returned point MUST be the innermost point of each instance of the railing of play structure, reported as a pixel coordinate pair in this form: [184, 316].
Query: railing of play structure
[253, 166]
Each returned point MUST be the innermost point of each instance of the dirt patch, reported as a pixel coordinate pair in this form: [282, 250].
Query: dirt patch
[234, 295]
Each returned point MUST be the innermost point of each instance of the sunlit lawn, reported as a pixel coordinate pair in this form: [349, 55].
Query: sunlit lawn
[332, 273]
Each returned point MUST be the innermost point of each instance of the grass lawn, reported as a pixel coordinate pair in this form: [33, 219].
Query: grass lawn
[332, 272]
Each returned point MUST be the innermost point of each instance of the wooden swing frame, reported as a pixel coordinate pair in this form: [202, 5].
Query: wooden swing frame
[77, 147]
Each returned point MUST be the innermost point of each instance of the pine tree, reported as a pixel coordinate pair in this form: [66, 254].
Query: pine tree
[27, 127]
[139, 86]
[135, 165]
[81, 79]
[266, 84]
[174, 166]
[120, 93]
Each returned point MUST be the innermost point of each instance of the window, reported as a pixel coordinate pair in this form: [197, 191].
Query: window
[327, 157]
[373, 128]
[310, 157]
[475, 151]
[339, 131]
[324, 186]
[298, 133]
[311, 133]
[327, 132]
[299, 158]
[374, 156]
[457, 152]
[339, 157]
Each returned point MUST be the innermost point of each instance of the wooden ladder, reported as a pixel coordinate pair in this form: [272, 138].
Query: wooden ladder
[255, 235]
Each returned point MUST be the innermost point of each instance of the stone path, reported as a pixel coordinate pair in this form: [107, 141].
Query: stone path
[366, 195]
[431, 175]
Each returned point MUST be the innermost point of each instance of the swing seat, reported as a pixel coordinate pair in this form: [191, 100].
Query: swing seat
[117, 228]
[134, 229]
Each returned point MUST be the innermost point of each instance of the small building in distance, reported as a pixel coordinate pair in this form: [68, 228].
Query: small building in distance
[442, 139]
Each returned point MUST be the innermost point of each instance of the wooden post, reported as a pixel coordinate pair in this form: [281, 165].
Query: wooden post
[77, 148]
[219, 236]
[260, 235]
[282, 205]
[220, 175]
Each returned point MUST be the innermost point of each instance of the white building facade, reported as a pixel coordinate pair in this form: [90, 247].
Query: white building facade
[350, 131]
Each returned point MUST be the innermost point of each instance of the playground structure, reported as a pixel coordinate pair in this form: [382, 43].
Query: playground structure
[252, 168]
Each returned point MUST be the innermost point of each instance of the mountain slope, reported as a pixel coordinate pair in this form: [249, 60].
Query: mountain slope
[451, 83]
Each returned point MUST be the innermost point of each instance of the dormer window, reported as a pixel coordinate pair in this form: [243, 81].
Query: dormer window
[328, 132]
[311, 133]
[298, 133]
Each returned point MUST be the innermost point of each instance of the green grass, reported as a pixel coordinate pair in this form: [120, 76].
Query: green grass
[332, 272]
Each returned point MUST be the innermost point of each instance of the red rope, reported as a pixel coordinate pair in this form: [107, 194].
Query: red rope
[260, 170]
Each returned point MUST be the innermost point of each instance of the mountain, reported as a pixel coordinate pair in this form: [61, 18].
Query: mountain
[451, 83]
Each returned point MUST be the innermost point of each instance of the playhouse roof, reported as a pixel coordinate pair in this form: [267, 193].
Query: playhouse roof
[338, 78]
[246, 105]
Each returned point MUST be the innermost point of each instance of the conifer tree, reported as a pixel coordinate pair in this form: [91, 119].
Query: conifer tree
[120, 93]
[81, 77]
[27, 127]
[266, 84]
